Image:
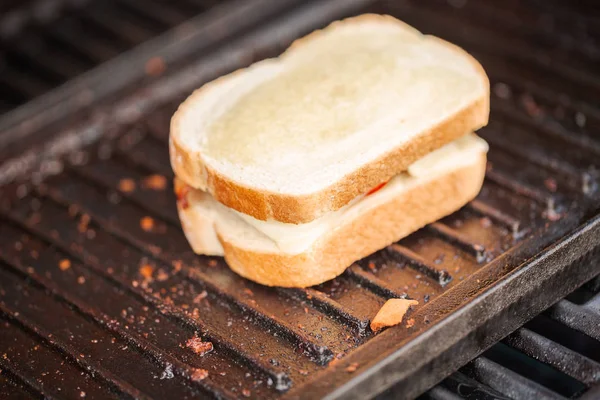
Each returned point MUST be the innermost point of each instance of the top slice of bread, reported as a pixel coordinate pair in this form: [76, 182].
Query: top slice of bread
[342, 110]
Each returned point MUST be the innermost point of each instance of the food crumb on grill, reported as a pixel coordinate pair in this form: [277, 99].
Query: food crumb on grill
[64, 264]
[352, 367]
[248, 292]
[550, 184]
[580, 119]
[212, 263]
[161, 275]
[303, 372]
[502, 90]
[410, 323]
[82, 394]
[146, 271]
[531, 107]
[391, 313]
[199, 374]
[155, 66]
[198, 346]
[246, 393]
[81, 280]
[127, 185]
[305, 310]
[84, 221]
[155, 182]
[485, 222]
[147, 223]
[177, 265]
[199, 297]
[371, 265]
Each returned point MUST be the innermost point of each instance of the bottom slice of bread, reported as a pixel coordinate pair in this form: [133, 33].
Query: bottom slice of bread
[399, 210]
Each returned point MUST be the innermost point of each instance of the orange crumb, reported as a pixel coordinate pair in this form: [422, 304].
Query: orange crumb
[147, 223]
[155, 66]
[199, 374]
[352, 367]
[246, 393]
[155, 182]
[83, 223]
[126, 185]
[198, 346]
[64, 264]
[212, 263]
[410, 323]
[177, 265]
[248, 292]
[371, 265]
[391, 313]
[146, 271]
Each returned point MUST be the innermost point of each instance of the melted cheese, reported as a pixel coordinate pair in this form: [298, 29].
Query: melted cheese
[295, 238]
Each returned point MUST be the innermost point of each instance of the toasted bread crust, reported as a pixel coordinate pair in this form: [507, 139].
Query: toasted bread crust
[190, 166]
[374, 230]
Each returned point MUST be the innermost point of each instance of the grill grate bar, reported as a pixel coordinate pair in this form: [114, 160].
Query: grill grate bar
[457, 239]
[576, 317]
[508, 382]
[418, 263]
[15, 387]
[496, 215]
[22, 85]
[563, 359]
[143, 346]
[320, 353]
[51, 66]
[522, 189]
[102, 178]
[547, 128]
[328, 306]
[163, 13]
[71, 353]
[373, 283]
[279, 376]
[441, 393]
[94, 48]
[117, 26]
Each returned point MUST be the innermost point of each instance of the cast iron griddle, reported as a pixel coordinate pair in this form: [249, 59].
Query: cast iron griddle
[99, 291]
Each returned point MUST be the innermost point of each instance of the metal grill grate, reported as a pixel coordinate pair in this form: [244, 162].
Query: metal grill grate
[57, 41]
[100, 276]
[555, 356]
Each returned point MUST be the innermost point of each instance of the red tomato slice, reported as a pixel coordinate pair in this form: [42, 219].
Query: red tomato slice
[376, 188]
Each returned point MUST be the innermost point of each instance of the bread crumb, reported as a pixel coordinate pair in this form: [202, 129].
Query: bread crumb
[155, 182]
[146, 271]
[198, 346]
[246, 393]
[199, 374]
[352, 367]
[200, 296]
[155, 66]
[64, 264]
[83, 223]
[127, 185]
[147, 223]
[391, 313]
[410, 323]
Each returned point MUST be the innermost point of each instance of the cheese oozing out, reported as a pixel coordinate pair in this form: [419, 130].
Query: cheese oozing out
[296, 238]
